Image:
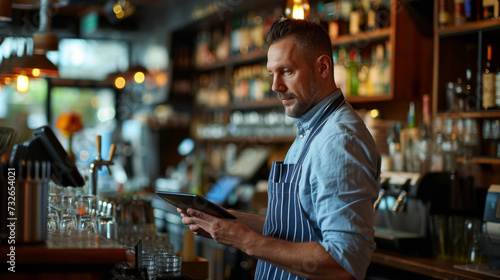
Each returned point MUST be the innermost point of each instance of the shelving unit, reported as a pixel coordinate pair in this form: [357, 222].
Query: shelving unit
[457, 48]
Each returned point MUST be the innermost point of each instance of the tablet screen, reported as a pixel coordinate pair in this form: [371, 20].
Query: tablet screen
[185, 201]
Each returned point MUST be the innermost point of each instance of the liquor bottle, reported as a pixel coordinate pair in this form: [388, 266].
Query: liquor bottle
[352, 74]
[426, 145]
[489, 91]
[490, 9]
[444, 17]
[459, 12]
[470, 9]
[459, 95]
[339, 70]
[370, 17]
[470, 100]
[354, 21]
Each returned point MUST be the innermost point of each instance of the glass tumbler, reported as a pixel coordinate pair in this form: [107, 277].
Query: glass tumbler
[69, 219]
[149, 264]
[169, 266]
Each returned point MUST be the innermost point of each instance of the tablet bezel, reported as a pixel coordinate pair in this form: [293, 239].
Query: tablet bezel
[187, 200]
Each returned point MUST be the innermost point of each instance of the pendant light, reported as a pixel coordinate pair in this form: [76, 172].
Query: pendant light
[44, 40]
[297, 9]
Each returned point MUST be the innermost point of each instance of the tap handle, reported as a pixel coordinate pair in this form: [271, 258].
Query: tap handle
[111, 152]
[98, 145]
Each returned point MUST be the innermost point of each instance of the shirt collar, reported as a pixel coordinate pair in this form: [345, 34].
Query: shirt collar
[310, 117]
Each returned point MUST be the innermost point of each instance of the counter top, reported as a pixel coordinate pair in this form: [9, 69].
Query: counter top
[432, 267]
[68, 248]
[73, 255]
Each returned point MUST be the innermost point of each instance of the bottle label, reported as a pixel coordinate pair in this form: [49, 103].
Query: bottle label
[489, 90]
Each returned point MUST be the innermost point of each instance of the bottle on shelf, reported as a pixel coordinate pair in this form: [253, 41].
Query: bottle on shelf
[490, 9]
[444, 17]
[339, 70]
[489, 82]
[470, 100]
[357, 18]
[472, 9]
[459, 12]
[426, 145]
[352, 75]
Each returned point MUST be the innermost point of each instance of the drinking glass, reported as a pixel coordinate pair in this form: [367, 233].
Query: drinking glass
[69, 219]
[87, 211]
[53, 213]
[495, 137]
[487, 137]
[169, 266]
[149, 264]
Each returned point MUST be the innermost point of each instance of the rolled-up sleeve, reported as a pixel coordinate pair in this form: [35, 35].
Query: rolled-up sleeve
[338, 187]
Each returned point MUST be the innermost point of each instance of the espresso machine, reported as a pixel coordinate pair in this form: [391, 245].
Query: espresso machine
[401, 216]
[490, 238]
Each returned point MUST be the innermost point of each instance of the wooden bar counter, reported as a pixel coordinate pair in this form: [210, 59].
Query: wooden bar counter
[431, 267]
[73, 255]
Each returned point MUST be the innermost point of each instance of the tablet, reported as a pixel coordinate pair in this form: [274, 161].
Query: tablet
[186, 200]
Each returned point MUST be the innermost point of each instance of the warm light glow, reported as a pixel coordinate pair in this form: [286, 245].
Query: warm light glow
[35, 72]
[120, 14]
[117, 8]
[94, 102]
[22, 83]
[139, 77]
[120, 83]
[297, 9]
[298, 12]
[161, 79]
[7, 81]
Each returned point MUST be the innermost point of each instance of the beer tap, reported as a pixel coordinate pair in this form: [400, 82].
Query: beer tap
[400, 203]
[98, 163]
[383, 189]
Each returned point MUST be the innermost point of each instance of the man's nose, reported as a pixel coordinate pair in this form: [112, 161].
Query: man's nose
[278, 85]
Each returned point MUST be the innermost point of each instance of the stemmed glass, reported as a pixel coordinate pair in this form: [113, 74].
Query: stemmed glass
[69, 219]
[87, 220]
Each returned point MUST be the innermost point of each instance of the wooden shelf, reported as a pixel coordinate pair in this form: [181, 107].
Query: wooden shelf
[481, 160]
[378, 34]
[258, 56]
[430, 267]
[255, 139]
[470, 115]
[362, 99]
[263, 104]
[470, 27]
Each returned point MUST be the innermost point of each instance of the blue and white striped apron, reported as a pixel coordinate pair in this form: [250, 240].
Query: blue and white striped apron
[285, 218]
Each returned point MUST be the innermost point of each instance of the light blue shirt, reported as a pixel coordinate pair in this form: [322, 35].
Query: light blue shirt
[339, 183]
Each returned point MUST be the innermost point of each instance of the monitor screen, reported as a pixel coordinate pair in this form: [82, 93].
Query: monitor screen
[44, 146]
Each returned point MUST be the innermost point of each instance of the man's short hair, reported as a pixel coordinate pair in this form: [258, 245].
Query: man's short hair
[312, 39]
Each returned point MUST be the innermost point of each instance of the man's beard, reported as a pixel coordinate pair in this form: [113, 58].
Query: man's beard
[301, 107]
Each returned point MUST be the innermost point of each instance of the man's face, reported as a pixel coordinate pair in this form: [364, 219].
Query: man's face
[293, 79]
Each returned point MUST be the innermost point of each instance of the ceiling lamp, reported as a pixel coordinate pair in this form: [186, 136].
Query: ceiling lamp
[297, 9]
[36, 65]
[44, 40]
[5, 10]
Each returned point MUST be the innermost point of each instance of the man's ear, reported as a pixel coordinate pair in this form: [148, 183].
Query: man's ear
[325, 65]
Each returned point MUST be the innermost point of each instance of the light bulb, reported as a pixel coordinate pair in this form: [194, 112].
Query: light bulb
[120, 83]
[139, 77]
[22, 83]
[297, 9]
